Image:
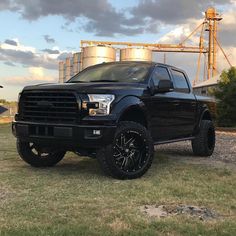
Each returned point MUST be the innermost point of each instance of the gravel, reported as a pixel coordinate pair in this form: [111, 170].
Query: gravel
[225, 149]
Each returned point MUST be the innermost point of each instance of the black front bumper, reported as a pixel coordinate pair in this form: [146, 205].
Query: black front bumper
[64, 136]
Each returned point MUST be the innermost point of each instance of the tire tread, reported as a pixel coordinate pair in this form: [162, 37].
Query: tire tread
[199, 144]
[38, 162]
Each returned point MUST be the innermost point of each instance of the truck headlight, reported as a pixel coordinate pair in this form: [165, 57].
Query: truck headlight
[99, 104]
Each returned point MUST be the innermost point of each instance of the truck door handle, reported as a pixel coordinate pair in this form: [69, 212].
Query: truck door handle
[176, 104]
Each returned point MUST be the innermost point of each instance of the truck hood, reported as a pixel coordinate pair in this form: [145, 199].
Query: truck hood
[102, 88]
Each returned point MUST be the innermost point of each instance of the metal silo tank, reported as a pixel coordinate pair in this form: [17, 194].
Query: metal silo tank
[61, 72]
[69, 68]
[93, 55]
[135, 54]
[76, 63]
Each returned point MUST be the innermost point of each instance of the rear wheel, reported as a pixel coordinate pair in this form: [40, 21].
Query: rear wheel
[37, 156]
[131, 153]
[204, 143]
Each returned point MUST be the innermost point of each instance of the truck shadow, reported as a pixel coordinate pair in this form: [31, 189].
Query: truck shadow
[76, 165]
[181, 150]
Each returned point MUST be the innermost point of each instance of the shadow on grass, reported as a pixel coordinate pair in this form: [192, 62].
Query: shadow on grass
[76, 166]
[70, 166]
[175, 150]
[85, 167]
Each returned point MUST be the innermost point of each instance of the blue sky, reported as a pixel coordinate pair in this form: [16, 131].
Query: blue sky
[29, 60]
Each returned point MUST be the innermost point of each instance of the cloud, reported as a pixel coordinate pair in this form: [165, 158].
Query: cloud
[11, 42]
[226, 31]
[8, 63]
[103, 19]
[49, 39]
[51, 51]
[4, 4]
[175, 35]
[227, 28]
[36, 76]
[29, 57]
[64, 55]
[172, 12]
[181, 31]
[227, 35]
[37, 71]
[100, 17]
[17, 47]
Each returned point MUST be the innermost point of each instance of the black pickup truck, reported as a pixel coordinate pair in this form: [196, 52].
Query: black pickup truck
[115, 112]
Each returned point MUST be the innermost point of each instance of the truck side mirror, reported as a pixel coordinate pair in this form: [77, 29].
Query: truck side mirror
[164, 86]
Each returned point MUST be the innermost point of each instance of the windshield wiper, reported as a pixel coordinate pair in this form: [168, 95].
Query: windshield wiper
[104, 80]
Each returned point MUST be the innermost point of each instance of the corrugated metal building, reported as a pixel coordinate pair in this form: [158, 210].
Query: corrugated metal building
[204, 87]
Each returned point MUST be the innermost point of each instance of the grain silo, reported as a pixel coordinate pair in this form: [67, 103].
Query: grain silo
[76, 63]
[61, 72]
[69, 68]
[135, 54]
[93, 55]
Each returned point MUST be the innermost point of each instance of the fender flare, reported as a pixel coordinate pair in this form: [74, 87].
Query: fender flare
[203, 113]
[128, 103]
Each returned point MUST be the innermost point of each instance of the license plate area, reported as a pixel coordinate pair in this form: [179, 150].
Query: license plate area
[40, 130]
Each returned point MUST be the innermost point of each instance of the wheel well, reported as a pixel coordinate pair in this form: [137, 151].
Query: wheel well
[135, 115]
[206, 116]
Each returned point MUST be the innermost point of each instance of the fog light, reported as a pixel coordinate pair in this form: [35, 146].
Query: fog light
[96, 132]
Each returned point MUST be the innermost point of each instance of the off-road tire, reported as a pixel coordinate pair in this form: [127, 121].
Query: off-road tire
[25, 151]
[204, 143]
[106, 154]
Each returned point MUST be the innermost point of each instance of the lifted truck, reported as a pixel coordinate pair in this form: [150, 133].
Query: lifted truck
[115, 112]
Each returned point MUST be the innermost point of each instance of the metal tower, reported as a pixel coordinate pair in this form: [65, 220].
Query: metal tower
[212, 18]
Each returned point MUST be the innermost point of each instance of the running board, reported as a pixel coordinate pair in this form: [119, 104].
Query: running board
[174, 140]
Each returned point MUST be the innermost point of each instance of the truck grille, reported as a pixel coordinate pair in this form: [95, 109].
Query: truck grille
[49, 106]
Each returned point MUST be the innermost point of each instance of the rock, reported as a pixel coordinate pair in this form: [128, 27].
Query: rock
[155, 211]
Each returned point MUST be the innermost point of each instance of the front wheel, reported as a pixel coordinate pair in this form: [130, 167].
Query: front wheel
[37, 156]
[131, 153]
[204, 143]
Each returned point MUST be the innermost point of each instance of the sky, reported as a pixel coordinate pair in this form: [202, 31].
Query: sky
[36, 34]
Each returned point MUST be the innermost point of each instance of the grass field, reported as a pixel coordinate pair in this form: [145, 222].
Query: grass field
[75, 198]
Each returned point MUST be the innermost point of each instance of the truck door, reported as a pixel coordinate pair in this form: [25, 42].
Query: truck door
[185, 105]
[161, 108]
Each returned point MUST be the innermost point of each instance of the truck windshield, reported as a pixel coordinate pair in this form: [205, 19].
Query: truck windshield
[117, 72]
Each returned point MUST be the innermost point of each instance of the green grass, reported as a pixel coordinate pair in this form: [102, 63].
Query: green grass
[75, 198]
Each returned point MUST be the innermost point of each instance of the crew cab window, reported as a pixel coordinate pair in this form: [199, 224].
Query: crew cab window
[160, 73]
[180, 81]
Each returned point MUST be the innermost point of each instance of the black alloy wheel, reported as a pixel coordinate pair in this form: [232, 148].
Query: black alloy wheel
[37, 156]
[131, 153]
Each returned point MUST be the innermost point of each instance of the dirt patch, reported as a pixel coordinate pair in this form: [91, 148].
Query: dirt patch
[162, 211]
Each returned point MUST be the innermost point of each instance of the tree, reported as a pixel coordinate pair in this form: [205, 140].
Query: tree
[226, 98]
